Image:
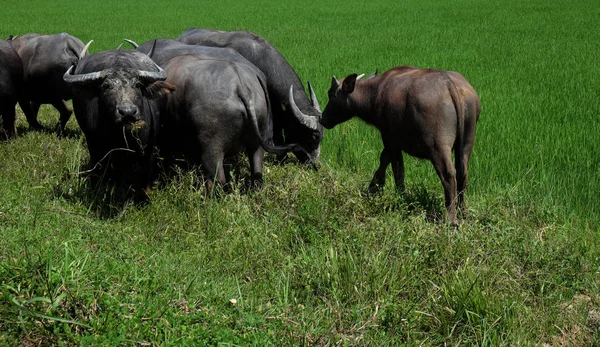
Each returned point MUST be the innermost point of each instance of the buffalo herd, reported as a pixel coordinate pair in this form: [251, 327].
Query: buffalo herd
[209, 95]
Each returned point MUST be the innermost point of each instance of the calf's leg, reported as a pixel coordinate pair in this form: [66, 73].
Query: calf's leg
[462, 173]
[398, 169]
[378, 180]
[442, 162]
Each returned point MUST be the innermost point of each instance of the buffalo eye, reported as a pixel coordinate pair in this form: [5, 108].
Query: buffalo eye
[107, 84]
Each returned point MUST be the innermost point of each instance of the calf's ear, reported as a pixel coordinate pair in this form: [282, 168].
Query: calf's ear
[158, 89]
[349, 83]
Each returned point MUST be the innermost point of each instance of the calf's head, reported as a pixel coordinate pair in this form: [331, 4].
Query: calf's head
[340, 106]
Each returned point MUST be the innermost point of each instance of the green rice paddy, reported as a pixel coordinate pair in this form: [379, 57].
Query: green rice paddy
[311, 259]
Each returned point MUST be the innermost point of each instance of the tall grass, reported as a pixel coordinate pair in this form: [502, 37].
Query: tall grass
[311, 259]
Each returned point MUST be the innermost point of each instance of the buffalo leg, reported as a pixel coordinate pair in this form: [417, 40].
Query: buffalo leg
[378, 180]
[256, 157]
[30, 109]
[97, 172]
[442, 162]
[398, 169]
[212, 165]
[149, 174]
[8, 120]
[65, 113]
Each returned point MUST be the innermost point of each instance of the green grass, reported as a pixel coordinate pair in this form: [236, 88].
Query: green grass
[310, 259]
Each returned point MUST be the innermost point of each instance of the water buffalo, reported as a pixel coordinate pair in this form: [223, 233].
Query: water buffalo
[45, 59]
[219, 109]
[116, 97]
[164, 50]
[11, 81]
[295, 118]
[423, 112]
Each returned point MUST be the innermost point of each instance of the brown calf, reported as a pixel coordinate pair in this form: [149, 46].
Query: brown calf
[423, 112]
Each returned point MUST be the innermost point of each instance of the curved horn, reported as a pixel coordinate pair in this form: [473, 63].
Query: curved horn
[307, 121]
[84, 79]
[84, 51]
[335, 84]
[119, 46]
[152, 76]
[152, 49]
[135, 45]
[313, 98]
[374, 74]
[360, 76]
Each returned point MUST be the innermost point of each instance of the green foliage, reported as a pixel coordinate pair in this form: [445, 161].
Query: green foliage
[311, 258]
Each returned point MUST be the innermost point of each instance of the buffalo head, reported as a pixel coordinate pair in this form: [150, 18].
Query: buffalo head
[121, 91]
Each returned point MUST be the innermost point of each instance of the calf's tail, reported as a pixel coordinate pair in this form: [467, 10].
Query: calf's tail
[461, 156]
[459, 106]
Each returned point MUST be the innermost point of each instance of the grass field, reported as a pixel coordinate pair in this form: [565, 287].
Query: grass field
[311, 259]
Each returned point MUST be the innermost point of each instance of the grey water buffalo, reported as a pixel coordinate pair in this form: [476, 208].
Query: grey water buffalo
[423, 112]
[45, 59]
[116, 98]
[295, 118]
[220, 108]
[164, 50]
[11, 81]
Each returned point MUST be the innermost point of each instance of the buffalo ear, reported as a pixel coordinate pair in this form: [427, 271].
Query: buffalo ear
[158, 89]
[349, 83]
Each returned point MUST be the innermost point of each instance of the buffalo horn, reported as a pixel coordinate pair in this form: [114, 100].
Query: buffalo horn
[84, 79]
[313, 98]
[152, 49]
[84, 51]
[135, 45]
[360, 76]
[335, 83]
[307, 121]
[374, 74]
[152, 76]
[119, 46]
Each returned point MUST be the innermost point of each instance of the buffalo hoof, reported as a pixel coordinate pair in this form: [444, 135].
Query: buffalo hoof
[8, 134]
[36, 126]
[60, 129]
[142, 196]
[374, 188]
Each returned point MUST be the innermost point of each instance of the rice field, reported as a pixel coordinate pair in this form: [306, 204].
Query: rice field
[311, 259]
